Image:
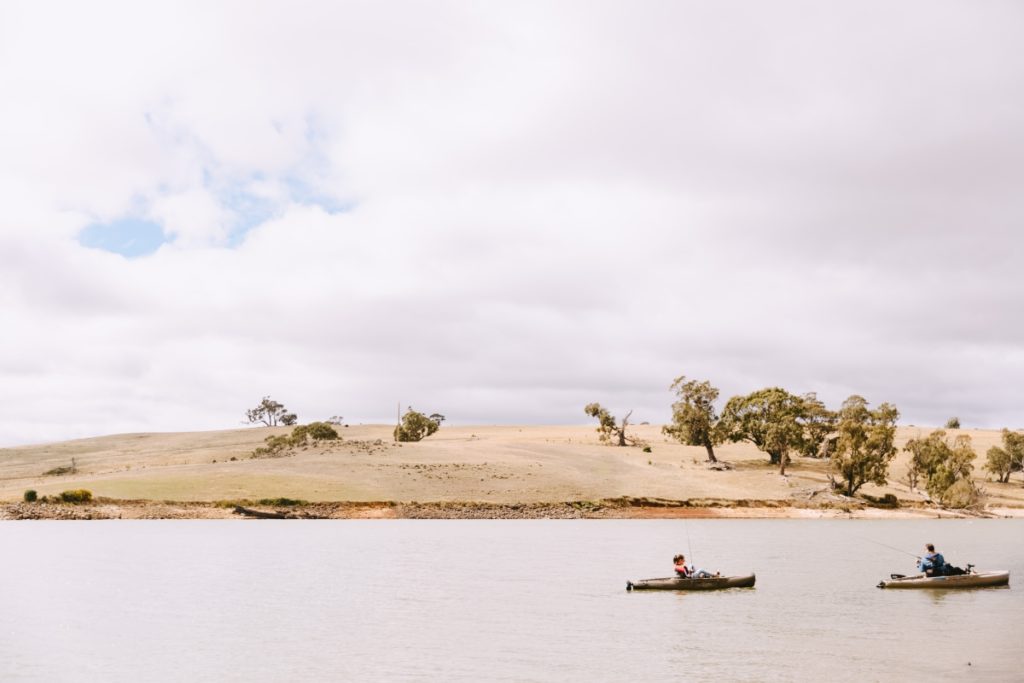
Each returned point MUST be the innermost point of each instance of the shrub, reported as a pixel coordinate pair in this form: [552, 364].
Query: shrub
[963, 494]
[30, 496]
[315, 431]
[647, 449]
[953, 423]
[58, 471]
[76, 496]
[279, 502]
[280, 444]
[415, 426]
[275, 445]
[321, 431]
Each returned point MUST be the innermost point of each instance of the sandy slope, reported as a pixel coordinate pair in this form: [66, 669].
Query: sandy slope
[503, 464]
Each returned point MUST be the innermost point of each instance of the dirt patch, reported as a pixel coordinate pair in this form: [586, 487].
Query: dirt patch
[618, 508]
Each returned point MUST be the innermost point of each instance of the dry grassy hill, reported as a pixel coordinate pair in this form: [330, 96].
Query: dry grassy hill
[499, 464]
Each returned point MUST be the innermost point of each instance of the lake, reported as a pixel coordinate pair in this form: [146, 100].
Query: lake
[530, 600]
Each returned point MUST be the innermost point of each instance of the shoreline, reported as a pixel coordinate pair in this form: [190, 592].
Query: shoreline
[618, 508]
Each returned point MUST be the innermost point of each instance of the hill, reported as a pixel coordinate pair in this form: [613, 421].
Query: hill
[487, 464]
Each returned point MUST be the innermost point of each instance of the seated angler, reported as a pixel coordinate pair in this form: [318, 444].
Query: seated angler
[933, 563]
[684, 572]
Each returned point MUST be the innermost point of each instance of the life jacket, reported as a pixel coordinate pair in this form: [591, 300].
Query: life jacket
[934, 563]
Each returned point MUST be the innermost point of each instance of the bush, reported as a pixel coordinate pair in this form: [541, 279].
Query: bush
[76, 496]
[647, 449]
[282, 502]
[963, 494]
[315, 431]
[321, 431]
[415, 426]
[275, 444]
[953, 423]
[30, 496]
[58, 471]
[281, 444]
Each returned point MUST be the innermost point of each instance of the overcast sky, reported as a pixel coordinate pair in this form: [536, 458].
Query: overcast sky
[503, 211]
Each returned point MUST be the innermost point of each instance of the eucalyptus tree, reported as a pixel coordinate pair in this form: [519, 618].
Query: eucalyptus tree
[863, 447]
[771, 419]
[944, 466]
[819, 428]
[695, 421]
[270, 413]
[608, 428]
[1004, 461]
[415, 426]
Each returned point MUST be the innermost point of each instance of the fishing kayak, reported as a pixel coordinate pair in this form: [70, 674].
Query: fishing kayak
[680, 584]
[972, 580]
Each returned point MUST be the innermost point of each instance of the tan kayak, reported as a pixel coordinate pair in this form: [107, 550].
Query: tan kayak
[679, 584]
[972, 580]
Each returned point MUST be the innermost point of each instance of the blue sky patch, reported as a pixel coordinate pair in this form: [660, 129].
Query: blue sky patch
[129, 237]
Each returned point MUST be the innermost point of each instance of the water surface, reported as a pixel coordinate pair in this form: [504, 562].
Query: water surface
[497, 600]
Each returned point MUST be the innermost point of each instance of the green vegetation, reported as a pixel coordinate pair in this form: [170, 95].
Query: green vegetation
[694, 419]
[819, 425]
[953, 423]
[1004, 461]
[76, 496]
[314, 431]
[864, 447]
[945, 468]
[30, 496]
[282, 502]
[771, 419]
[282, 444]
[270, 413]
[58, 471]
[416, 426]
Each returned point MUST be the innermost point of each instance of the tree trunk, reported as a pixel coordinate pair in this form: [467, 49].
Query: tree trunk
[711, 452]
[782, 464]
[622, 430]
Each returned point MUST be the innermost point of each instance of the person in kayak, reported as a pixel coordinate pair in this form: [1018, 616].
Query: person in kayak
[684, 572]
[933, 563]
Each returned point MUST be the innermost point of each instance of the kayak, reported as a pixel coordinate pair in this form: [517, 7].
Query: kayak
[680, 584]
[972, 580]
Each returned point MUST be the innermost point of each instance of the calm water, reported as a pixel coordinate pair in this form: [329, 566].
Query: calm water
[492, 600]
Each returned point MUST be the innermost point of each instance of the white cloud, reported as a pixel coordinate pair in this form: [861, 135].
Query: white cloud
[546, 205]
[192, 218]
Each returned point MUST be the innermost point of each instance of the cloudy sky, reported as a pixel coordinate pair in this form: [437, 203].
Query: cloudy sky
[503, 211]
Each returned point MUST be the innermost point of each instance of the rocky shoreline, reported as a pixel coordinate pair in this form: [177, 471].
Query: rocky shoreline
[617, 508]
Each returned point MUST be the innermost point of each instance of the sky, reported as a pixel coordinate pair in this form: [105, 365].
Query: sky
[504, 211]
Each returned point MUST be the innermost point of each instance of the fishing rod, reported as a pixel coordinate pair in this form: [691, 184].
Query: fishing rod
[693, 562]
[899, 550]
